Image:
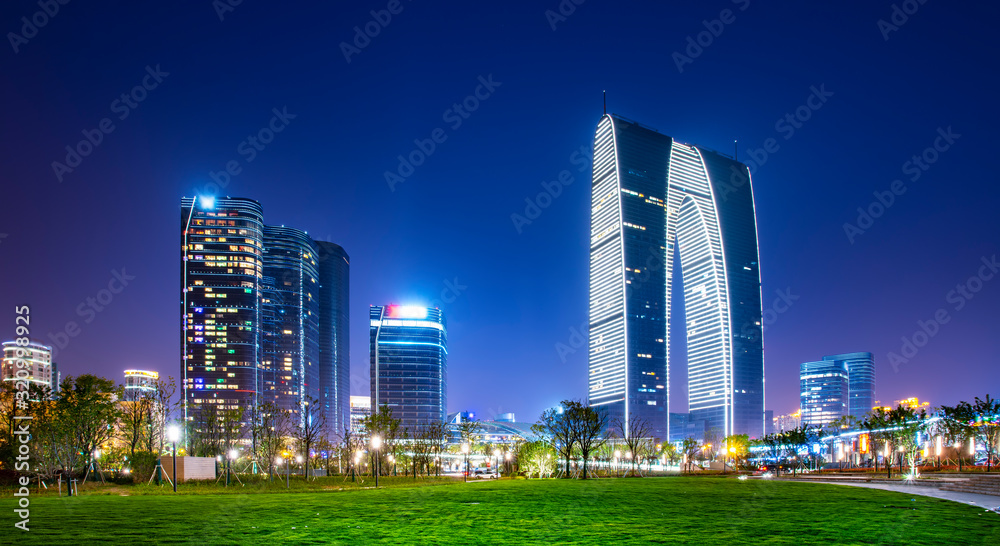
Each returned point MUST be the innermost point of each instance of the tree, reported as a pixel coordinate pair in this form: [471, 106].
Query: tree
[635, 435]
[671, 453]
[164, 406]
[588, 425]
[736, 447]
[83, 419]
[689, 450]
[554, 425]
[136, 418]
[310, 428]
[987, 426]
[382, 423]
[955, 425]
[271, 426]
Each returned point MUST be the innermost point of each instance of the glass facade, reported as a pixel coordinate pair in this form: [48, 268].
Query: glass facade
[824, 388]
[861, 381]
[292, 338]
[221, 270]
[651, 196]
[140, 380]
[409, 354]
[334, 335]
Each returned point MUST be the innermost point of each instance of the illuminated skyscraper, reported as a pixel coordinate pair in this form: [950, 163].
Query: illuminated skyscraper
[652, 195]
[334, 335]
[409, 363]
[861, 382]
[291, 346]
[824, 386]
[221, 270]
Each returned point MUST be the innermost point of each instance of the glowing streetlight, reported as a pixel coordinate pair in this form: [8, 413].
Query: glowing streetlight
[174, 434]
[465, 450]
[376, 444]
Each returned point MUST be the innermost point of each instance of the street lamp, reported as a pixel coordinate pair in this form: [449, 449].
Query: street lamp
[465, 450]
[376, 444]
[232, 456]
[277, 466]
[506, 457]
[357, 461]
[618, 455]
[287, 457]
[174, 434]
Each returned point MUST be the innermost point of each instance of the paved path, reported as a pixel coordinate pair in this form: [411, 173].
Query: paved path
[991, 502]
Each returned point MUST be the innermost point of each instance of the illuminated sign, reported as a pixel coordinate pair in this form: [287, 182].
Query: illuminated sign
[863, 440]
[406, 312]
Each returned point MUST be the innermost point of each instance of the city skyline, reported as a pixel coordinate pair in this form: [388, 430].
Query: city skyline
[825, 133]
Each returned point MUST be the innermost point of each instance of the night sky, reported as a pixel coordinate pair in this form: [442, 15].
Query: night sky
[512, 292]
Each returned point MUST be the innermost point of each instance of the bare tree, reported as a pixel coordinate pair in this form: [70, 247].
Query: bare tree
[310, 428]
[271, 427]
[163, 409]
[635, 435]
[588, 426]
[555, 425]
[136, 418]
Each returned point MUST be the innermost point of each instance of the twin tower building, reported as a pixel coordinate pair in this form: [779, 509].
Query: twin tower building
[654, 198]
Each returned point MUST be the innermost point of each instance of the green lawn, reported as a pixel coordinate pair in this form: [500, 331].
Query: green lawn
[675, 510]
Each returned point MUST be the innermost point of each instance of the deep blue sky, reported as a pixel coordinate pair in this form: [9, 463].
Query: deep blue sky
[452, 218]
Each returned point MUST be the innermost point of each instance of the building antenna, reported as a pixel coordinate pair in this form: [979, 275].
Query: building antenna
[605, 102]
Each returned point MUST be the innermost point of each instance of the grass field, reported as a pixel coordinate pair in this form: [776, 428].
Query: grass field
[673, 510]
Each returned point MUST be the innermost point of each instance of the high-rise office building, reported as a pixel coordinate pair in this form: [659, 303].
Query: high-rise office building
[31, 363]
[861, 381]
[221, 270]
[652, 196]
[409, 355]
[824, 388]
[264, 313]
[334, 335]
[140, 380]
[291, 338]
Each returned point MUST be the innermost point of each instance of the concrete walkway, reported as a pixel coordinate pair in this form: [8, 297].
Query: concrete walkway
[990, 502]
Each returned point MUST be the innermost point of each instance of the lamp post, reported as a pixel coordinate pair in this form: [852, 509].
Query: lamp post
[465, 473]
[287, 456]
[298, 461]
[376, 444]
[618, 455]
[277, 466]
[357, 461]
[232, 456]
[174, 434]
[506, 457]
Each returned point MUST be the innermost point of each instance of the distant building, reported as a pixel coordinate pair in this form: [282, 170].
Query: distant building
[790, 421]
[33, 366]
[409, 363]
[505, 418]
[140, 380]
[912, 403]
[824, 391]
[334, 335]
[683, 425]
[361, 407]
[861, 381]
